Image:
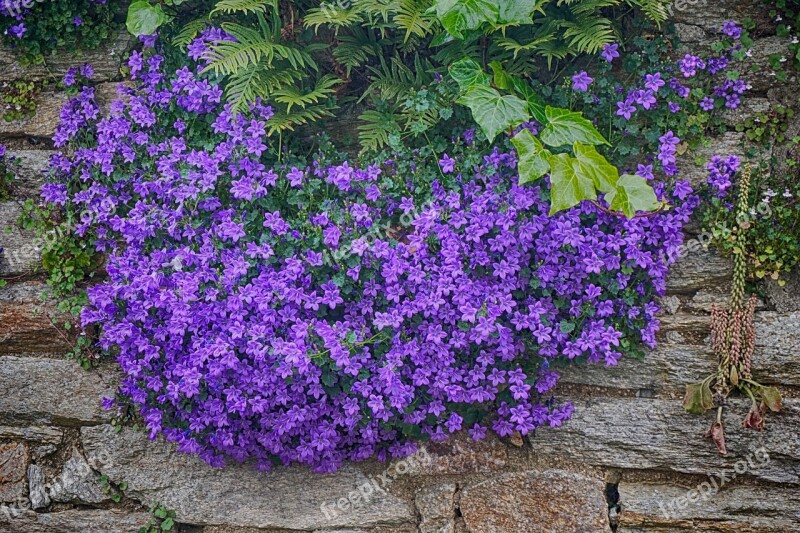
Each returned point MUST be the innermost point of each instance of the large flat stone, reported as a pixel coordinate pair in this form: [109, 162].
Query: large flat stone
[25, 321]
[697, 269]
[669, 367]
[238, 495]
[547, 501]
[106, 61]
[44, 121]
[51, 391]
[638, 433]
[74, 521]
[21, 250]
[30, 169]
[656, 507]
[14, 458]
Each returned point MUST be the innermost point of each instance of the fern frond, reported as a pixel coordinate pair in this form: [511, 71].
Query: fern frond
[244, 6]
[291, 96]
[188, 33]
[510, 45]
[333, 15]
[412, 16]
[374, 130]
[282, 121]
[244, 87]
[655, 10]
[587, 34]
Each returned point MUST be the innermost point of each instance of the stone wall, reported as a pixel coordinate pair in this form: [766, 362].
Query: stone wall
[627, 460]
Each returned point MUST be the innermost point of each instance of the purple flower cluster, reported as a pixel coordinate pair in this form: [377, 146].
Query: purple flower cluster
[332, 311]
[690, 66]
[721, 172]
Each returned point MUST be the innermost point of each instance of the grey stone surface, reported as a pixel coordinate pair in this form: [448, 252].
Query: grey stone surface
[44, 121]
[699, 269]
[656, 434]
[669, 367]
[436, 508]
[77, 483]
[786, 298]
[21, 250]
[37, 489]
[237, 495]
[543, 501]
[73, 521]
[38, 434]
[14, 460]
[106, 61]
[30, 168]
[50, 391]
[28, 322]
[661, 506]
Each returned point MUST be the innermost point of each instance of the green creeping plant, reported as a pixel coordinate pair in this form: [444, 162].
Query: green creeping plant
[578, 171]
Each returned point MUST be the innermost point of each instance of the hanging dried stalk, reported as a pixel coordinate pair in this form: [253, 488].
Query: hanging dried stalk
[733, 339]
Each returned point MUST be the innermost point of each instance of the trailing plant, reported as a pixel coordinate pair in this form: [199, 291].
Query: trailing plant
[733, 341]
[37, 29]
[19, 99]
[786, 13]
[163, 519]
[317, 309]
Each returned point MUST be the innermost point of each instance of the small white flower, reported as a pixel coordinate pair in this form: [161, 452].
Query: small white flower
[753, 211]
[749, 53]
[770, 193]
[787, 194]
[778, 18]
[783, 59]
[795, 39]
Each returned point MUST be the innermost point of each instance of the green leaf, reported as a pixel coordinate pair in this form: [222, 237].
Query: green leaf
[568, 187]
[145, 18]
[772, 398]
[566, 326]
[632, 194]
[501, 78]
[167, 524]
[492, 111]
[566, 127]
[458, 16]
[536, 105]
[532, 157]
[468, 74]
[596, 167]
[516, 11]
[698, 398]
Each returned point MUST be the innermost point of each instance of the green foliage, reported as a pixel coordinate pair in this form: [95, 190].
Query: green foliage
[769, 232]
[163, 520]
[145, 18]
[787, 14]
[19, 99]
[60, 25]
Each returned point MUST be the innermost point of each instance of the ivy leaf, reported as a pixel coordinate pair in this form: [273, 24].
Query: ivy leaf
[492, 111]
[501, 78]
[144, 18]
[566, 127]
[596, 167]
[772, 398]
[698, 398]
[468, 74]
[632, 194]
[536, 105]
[516, 11]
[458, 16]
[532, 157]
[568, 187]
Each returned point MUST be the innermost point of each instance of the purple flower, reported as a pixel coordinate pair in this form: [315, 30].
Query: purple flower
[17, 31]
[626, 109]
[447, 164]
[707, 104]
[610, 52]
[77, 21]
[581, 82]
[654, 82]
